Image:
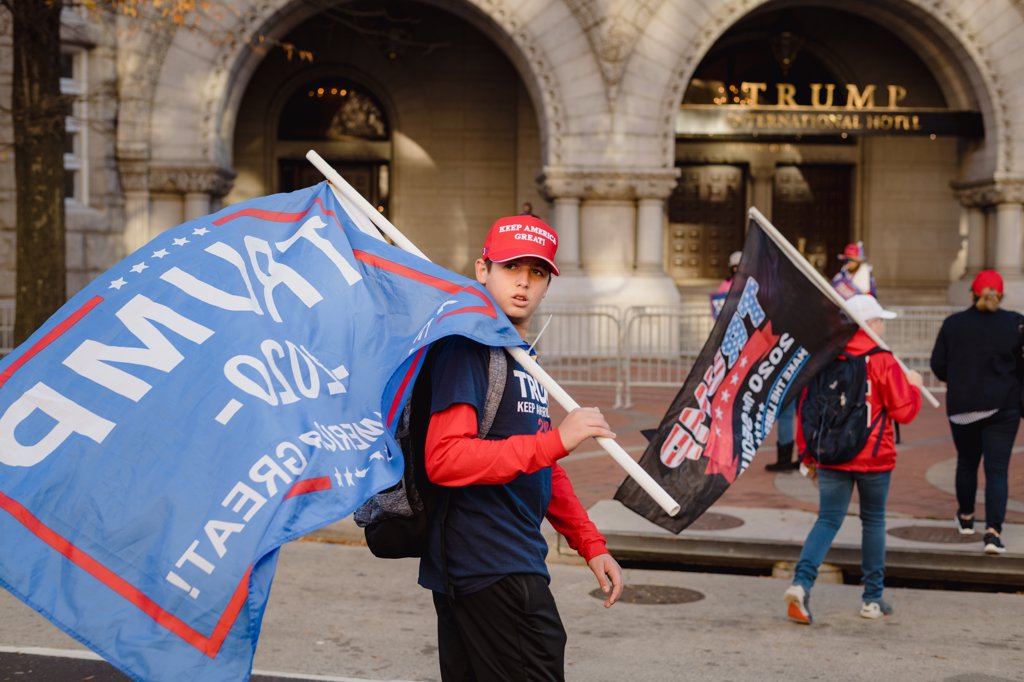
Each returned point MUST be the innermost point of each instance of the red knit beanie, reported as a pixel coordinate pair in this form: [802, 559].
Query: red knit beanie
[987, 279]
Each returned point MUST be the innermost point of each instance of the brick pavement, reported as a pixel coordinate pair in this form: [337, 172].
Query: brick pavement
[926, 447]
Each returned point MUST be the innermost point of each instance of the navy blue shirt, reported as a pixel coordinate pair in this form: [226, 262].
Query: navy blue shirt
[489, 531]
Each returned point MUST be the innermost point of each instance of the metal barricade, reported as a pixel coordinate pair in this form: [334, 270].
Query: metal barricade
[661, 343]
[6, 326]
[582, 345]
[912, 334]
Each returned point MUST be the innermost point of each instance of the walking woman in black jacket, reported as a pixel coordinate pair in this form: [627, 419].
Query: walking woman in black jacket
[978, 355]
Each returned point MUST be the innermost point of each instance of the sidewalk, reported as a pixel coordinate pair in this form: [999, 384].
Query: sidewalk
[764, 517]
[336, 614]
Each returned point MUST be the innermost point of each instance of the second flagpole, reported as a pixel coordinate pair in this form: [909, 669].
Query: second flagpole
[634, 470]
[826, 288]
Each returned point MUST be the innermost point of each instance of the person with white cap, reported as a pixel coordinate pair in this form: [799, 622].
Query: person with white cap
[485, 555]
[978, 354]
[855, 277]
[889, 395]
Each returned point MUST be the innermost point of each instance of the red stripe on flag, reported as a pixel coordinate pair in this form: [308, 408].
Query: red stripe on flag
[405, 382]
[436, 282]
[275, 216]
[208, 645]
[407, 272]
[50, 337]
[310, 485]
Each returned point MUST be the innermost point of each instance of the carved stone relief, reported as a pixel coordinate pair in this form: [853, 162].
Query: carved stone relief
[608, 184]
[613, 28]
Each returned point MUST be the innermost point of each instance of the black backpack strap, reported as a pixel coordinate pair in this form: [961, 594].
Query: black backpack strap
[884, 415]
[881, 432]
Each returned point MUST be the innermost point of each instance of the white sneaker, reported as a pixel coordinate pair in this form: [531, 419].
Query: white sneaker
[799, 609]
[875, 609]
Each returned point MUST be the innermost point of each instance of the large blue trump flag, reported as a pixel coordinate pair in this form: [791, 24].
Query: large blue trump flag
[229, 387]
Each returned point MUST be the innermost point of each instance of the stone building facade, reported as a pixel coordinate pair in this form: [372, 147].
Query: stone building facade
[640, 129]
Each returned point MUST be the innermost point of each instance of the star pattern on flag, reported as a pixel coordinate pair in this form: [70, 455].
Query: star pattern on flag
[159, 254]
[735, 379]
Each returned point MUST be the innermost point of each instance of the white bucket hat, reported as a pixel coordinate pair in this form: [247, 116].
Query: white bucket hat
[866, 307]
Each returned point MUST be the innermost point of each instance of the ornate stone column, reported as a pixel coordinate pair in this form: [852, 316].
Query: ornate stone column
[565, 192]
[995, 234]
[134, 170]
[762, 176]
[651, 221]
[195, 187]
[616, 217]
[974, 229]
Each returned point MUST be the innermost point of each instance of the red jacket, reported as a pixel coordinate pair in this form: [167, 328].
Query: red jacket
[887, 387]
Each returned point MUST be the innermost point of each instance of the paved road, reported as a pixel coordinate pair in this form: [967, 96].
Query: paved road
[336, 613]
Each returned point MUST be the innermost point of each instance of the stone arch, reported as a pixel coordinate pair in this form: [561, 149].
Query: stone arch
[971, 75]
[554, 65]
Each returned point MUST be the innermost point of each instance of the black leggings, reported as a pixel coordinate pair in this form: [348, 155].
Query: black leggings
[992, 438]
[509, 631]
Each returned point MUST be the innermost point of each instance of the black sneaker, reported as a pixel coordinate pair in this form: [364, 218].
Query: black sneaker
[993, 544]
[965, 526]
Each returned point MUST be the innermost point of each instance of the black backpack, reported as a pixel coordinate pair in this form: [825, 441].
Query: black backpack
[834, 414]
[396, 520]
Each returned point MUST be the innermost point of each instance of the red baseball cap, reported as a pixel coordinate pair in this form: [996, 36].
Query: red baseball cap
[987, 279]
[853, 251]
[521, 236]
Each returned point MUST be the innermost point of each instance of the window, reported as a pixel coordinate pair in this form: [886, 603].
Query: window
[73, 70]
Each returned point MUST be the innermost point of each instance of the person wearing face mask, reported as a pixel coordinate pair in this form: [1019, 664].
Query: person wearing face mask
[978, 355]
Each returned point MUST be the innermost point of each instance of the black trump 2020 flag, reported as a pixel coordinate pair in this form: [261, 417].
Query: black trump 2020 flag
[776, 330]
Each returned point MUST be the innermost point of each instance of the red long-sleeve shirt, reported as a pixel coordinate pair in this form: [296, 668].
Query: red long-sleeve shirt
[455, 457]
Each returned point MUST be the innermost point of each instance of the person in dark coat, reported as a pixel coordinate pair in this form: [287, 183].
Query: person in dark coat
[978, 355]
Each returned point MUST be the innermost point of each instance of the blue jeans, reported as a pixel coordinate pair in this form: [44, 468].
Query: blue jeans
[834, 491]
[785, 420]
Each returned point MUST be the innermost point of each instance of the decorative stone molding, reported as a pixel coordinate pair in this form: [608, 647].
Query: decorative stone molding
[213, 181]
[607, 184]
[613, 29]
[725, 15]
[987, 193]
[133, 167]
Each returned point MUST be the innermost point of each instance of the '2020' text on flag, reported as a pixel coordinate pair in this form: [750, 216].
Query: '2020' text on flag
[775, 331]
[229, 387]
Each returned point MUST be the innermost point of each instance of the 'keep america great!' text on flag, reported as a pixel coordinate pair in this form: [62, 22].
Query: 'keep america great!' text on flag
[229, 387]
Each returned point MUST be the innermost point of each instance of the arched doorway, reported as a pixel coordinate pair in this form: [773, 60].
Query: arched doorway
[836, 129]
[436, 126]
[349, 127]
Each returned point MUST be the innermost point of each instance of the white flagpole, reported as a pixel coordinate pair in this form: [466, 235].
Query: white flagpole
[634, 470]
[825, 287]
